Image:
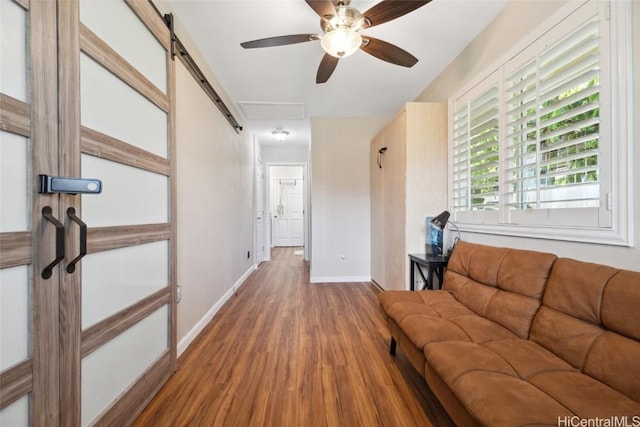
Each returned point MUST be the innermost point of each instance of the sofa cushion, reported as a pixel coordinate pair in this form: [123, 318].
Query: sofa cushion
[620, 310]
[430, 316]
[590, 319]
[519, 271]
[489, 387]
[394, 302]
[517, 382]
[501, 284]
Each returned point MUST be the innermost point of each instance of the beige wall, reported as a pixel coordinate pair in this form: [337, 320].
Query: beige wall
[518, 18]
[215, 205]
[340, 202]
[284, 154]
[216, 197]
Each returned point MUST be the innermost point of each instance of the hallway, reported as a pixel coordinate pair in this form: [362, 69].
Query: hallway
[284, 352]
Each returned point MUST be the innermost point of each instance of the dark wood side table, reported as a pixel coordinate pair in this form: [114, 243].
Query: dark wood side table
[433, 263]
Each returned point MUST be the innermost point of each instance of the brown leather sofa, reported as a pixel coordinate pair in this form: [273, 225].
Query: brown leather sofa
[523, 338]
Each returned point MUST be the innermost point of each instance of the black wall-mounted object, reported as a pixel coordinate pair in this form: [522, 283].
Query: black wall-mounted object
[60, 184]
[380, 153]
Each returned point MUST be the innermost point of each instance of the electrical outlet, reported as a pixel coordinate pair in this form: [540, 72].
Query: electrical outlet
[179, 293]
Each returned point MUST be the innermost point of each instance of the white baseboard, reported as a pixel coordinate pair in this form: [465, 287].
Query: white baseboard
[195, 331]
[335, 279]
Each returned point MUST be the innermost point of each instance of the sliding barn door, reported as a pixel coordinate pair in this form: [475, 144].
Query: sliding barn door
[29, 222]
[127, 345]
[86, 92]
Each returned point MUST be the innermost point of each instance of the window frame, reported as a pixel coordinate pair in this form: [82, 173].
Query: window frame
[616, 133]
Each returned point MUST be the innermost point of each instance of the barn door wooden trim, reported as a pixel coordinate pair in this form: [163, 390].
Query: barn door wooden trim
[88, 49]
[34, 117]
[44, 136]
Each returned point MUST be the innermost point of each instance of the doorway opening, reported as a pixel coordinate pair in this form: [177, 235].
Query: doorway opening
[286, 196]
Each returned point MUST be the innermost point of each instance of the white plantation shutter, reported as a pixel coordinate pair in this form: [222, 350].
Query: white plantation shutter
[483, 150]
[521, 164]
[553, 125]
[475, 154]
[539, 144]
[460, 156]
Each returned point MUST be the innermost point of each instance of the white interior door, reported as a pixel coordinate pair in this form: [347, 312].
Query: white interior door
[288, 213]
[260, 249]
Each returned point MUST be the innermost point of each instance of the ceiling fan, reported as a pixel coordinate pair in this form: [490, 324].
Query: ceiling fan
[341, 25]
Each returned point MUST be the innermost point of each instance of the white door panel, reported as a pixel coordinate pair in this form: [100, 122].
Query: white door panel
[108, 371]
[288, 214]
[16, 414]
[15, 161]
[99, 17]
[112, 107]
[295, 229]
[129, 196]
[282, 227]
[119, 278]
[14, 315]
[294, 197]
[13, 54]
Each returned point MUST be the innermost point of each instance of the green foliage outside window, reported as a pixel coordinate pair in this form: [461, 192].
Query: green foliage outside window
[565, 165]
[586, 137]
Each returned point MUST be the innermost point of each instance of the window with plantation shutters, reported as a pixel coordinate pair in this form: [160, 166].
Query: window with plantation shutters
[538, 143]
[552, 153]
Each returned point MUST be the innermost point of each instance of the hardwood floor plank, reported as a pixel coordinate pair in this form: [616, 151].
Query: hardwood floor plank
[285, 352]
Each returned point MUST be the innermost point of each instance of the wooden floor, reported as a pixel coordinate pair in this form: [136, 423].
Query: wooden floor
[285, 352]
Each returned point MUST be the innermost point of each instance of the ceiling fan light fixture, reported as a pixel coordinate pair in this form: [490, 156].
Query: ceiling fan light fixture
[341, 42]
[280, 134]
[341, 25]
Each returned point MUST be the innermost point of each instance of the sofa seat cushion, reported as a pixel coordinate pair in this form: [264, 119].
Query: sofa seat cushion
[517, 382]
[421, 298]
[433, 316]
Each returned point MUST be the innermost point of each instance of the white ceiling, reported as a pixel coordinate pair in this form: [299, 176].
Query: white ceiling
[275, 81]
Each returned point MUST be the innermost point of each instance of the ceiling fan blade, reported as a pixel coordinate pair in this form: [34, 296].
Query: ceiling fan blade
[388, 52]
[327, 65]
[387, 10]
[278, 41]
[322, 7]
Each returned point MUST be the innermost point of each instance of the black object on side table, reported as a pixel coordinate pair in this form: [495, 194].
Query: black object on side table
[433, 263]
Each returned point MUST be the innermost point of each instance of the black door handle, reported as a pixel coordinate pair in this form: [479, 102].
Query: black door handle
[71, 213]
[47, 213]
